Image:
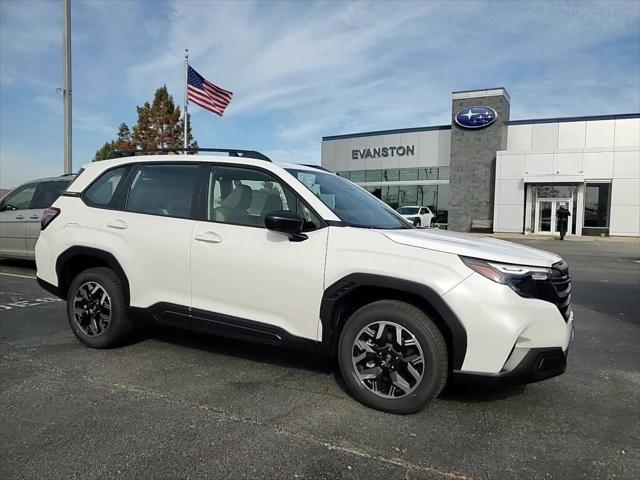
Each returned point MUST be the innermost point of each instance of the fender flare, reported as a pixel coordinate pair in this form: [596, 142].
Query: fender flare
[78, 251]
[330, 308]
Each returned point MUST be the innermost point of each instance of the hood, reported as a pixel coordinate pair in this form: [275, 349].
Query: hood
[486, 248]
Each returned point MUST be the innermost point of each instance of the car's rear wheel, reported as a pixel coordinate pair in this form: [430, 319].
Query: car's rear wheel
[393, 357]
[97, 310]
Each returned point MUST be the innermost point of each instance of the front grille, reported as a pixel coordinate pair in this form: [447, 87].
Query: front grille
[558, 289]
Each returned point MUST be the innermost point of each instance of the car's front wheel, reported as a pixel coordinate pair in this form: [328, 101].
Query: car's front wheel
[393, 357]
[97, 310]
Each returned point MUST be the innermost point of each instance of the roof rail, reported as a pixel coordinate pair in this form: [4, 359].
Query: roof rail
[233, 152]
[316, 166]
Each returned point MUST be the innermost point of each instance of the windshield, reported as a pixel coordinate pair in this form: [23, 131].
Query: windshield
[353, 205]
[408, 210]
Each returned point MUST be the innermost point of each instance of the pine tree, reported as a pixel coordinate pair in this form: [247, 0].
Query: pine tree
[160, 125]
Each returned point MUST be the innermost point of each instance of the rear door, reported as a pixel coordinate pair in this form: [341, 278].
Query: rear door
[149, 233]
[14, 214]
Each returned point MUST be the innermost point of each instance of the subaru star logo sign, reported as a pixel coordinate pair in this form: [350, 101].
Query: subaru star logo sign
[476, 117]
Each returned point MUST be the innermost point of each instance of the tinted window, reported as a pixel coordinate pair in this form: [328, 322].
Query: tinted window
[163, 190]
[49, 193]
[352, 204]
[596, 205]
[243, 196]
[20, 198]
[408, 210]
[101, 192]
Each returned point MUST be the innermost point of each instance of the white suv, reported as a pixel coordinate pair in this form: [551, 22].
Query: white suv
[418, 216]
[294, 255]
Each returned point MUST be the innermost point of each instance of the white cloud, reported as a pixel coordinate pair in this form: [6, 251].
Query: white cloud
[301, 70]
[328, 67]
[83, 119]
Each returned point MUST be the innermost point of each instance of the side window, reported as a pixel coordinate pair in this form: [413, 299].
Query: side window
[423, 211]
[101, 192]
[19, 199]
[244, 196]
[165, 189]
[49, 193]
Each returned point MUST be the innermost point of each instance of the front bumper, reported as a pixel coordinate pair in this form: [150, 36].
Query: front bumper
[527, 365]
[538, 364]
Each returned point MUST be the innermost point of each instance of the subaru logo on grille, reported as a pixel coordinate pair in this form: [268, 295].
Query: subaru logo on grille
[476, 117]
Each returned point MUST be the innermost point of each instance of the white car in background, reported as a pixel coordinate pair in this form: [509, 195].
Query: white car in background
[419, 216]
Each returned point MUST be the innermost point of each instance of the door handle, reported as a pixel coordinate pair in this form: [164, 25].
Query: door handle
[117, 224]
[19, 217]
[208, 237]
[34, 217]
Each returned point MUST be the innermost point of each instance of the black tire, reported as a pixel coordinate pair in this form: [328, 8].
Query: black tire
[428, 336]
[120, 327]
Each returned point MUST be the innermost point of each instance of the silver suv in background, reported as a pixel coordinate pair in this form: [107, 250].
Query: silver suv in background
[21, 213]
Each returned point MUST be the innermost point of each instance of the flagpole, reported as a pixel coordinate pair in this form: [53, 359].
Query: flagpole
[186, 97]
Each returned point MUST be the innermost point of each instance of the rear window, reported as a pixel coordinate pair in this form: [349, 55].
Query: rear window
[165, 189]
[49, 193]
[101, 192]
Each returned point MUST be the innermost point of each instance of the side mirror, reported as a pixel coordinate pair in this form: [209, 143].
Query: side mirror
[286, 222]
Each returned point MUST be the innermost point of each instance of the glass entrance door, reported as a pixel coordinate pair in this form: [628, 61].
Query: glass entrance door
[544, 214]
[546, 221]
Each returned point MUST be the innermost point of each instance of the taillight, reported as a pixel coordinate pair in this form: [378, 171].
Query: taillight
[48, 215]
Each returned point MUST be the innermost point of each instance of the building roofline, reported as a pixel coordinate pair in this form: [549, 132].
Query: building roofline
[617, 116]
[532, 121]
[388, 132]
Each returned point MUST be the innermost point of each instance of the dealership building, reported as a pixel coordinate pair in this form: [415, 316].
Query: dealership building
[486, 171]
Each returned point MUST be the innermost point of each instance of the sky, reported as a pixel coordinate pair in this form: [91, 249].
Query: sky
[302, 70]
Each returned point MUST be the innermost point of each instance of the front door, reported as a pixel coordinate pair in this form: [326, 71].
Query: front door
[250, 278]
[545, 217]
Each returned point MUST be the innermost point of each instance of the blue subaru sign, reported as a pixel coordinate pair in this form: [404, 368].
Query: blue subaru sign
[476, 117]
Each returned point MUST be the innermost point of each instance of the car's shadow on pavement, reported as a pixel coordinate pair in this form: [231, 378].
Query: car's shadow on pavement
[478, 391]
[22, 264]
[275, 355]
[457, 390]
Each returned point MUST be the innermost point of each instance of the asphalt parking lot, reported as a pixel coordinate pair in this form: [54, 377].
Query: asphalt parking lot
[180, 405]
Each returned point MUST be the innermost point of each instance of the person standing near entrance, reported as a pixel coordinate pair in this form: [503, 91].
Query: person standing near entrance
[563, 215]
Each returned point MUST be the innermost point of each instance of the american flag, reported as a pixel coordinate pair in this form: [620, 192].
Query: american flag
[204, 93]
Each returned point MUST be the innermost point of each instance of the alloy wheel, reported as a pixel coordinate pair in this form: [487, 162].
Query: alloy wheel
[92, 309]
[388, 359]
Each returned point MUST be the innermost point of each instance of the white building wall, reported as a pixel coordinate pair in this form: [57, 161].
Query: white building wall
[571, 152]
[431, 149]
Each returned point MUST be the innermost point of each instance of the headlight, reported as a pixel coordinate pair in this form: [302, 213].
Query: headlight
[520, 278]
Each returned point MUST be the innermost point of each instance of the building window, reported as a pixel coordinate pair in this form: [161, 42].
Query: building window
[443, 173]
[597, 197]
[373, 175]
[407, 174]
[391, 175]
[428, 173]
[357, 176]
[442, 207]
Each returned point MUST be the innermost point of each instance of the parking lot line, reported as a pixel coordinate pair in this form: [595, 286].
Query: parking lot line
[16, 275]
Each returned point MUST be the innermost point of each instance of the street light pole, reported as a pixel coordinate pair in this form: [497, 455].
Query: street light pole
[66, 91]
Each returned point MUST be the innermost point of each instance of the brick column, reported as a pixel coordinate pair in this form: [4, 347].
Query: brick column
[473, 158]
